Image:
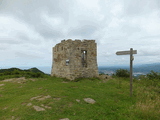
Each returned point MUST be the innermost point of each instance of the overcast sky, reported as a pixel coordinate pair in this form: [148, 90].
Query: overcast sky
[30, 28]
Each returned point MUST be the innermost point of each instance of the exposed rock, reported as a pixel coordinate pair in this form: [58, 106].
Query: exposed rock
[64, 119]
[29, 104]
[89, 100]
[37, 108]
[77, 100]
[44, 97]
[1, 84]
[47, 107]
[40, 98]
[33, 98]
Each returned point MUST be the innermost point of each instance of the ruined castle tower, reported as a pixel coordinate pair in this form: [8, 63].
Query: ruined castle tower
[75, 59]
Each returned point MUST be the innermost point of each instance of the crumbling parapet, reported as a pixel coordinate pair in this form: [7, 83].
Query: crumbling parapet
[75, 59]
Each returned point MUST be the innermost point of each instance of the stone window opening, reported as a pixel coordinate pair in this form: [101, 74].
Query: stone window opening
[67, 62]
[84, 58]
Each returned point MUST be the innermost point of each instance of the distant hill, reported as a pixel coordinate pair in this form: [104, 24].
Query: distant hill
[34, 70]
[17, 73]
[9, 70]
[148, 67]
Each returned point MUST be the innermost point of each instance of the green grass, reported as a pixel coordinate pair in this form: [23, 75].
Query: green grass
[112, 100]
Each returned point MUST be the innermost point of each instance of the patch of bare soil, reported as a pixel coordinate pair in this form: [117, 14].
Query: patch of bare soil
[105, 78]
[20, 80]
[1, 85]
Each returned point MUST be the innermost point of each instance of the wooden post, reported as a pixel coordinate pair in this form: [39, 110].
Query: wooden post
[131, 52]
[131, 70]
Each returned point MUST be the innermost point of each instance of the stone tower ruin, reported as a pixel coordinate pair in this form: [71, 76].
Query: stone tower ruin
[75, 59]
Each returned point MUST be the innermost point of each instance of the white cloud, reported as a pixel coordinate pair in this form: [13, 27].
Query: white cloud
[92, 5]
[30, 28]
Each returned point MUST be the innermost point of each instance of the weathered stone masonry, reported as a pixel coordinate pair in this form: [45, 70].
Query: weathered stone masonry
[75, 59]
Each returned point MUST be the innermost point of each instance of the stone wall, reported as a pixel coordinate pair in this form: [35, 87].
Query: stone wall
[75, 59]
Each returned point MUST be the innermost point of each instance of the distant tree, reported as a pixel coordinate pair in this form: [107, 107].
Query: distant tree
[122, 73]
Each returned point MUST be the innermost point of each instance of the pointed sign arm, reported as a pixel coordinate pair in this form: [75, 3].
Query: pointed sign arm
[126, 52]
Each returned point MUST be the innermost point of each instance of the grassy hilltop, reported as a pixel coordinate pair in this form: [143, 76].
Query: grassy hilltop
[51, 98]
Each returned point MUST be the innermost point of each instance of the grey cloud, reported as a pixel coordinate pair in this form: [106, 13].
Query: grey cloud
[9, 41]
[28, 8]
[113, 30]
[3, 48]
[86, 31]
[106, 54]
[85, 28]
[130, 29]
[138, 7]
[30, 13]
[151, 37]
[22, 36]
[48, 33]
[149, 52]
[19, 38]
[27, 55]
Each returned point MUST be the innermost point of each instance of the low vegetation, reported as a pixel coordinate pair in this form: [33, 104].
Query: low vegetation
[51, 98]
[122, 73]
[16, 73]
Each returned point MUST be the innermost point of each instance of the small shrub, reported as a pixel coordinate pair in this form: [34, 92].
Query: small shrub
[150, 79]
[122, 73]
[16, 72]
[153, 75]
[7, 73]
[34, 75]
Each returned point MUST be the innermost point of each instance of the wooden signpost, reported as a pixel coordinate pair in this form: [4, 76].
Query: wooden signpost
[131, 52]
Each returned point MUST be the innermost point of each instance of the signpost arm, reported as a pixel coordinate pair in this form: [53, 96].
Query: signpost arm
[131, 61]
